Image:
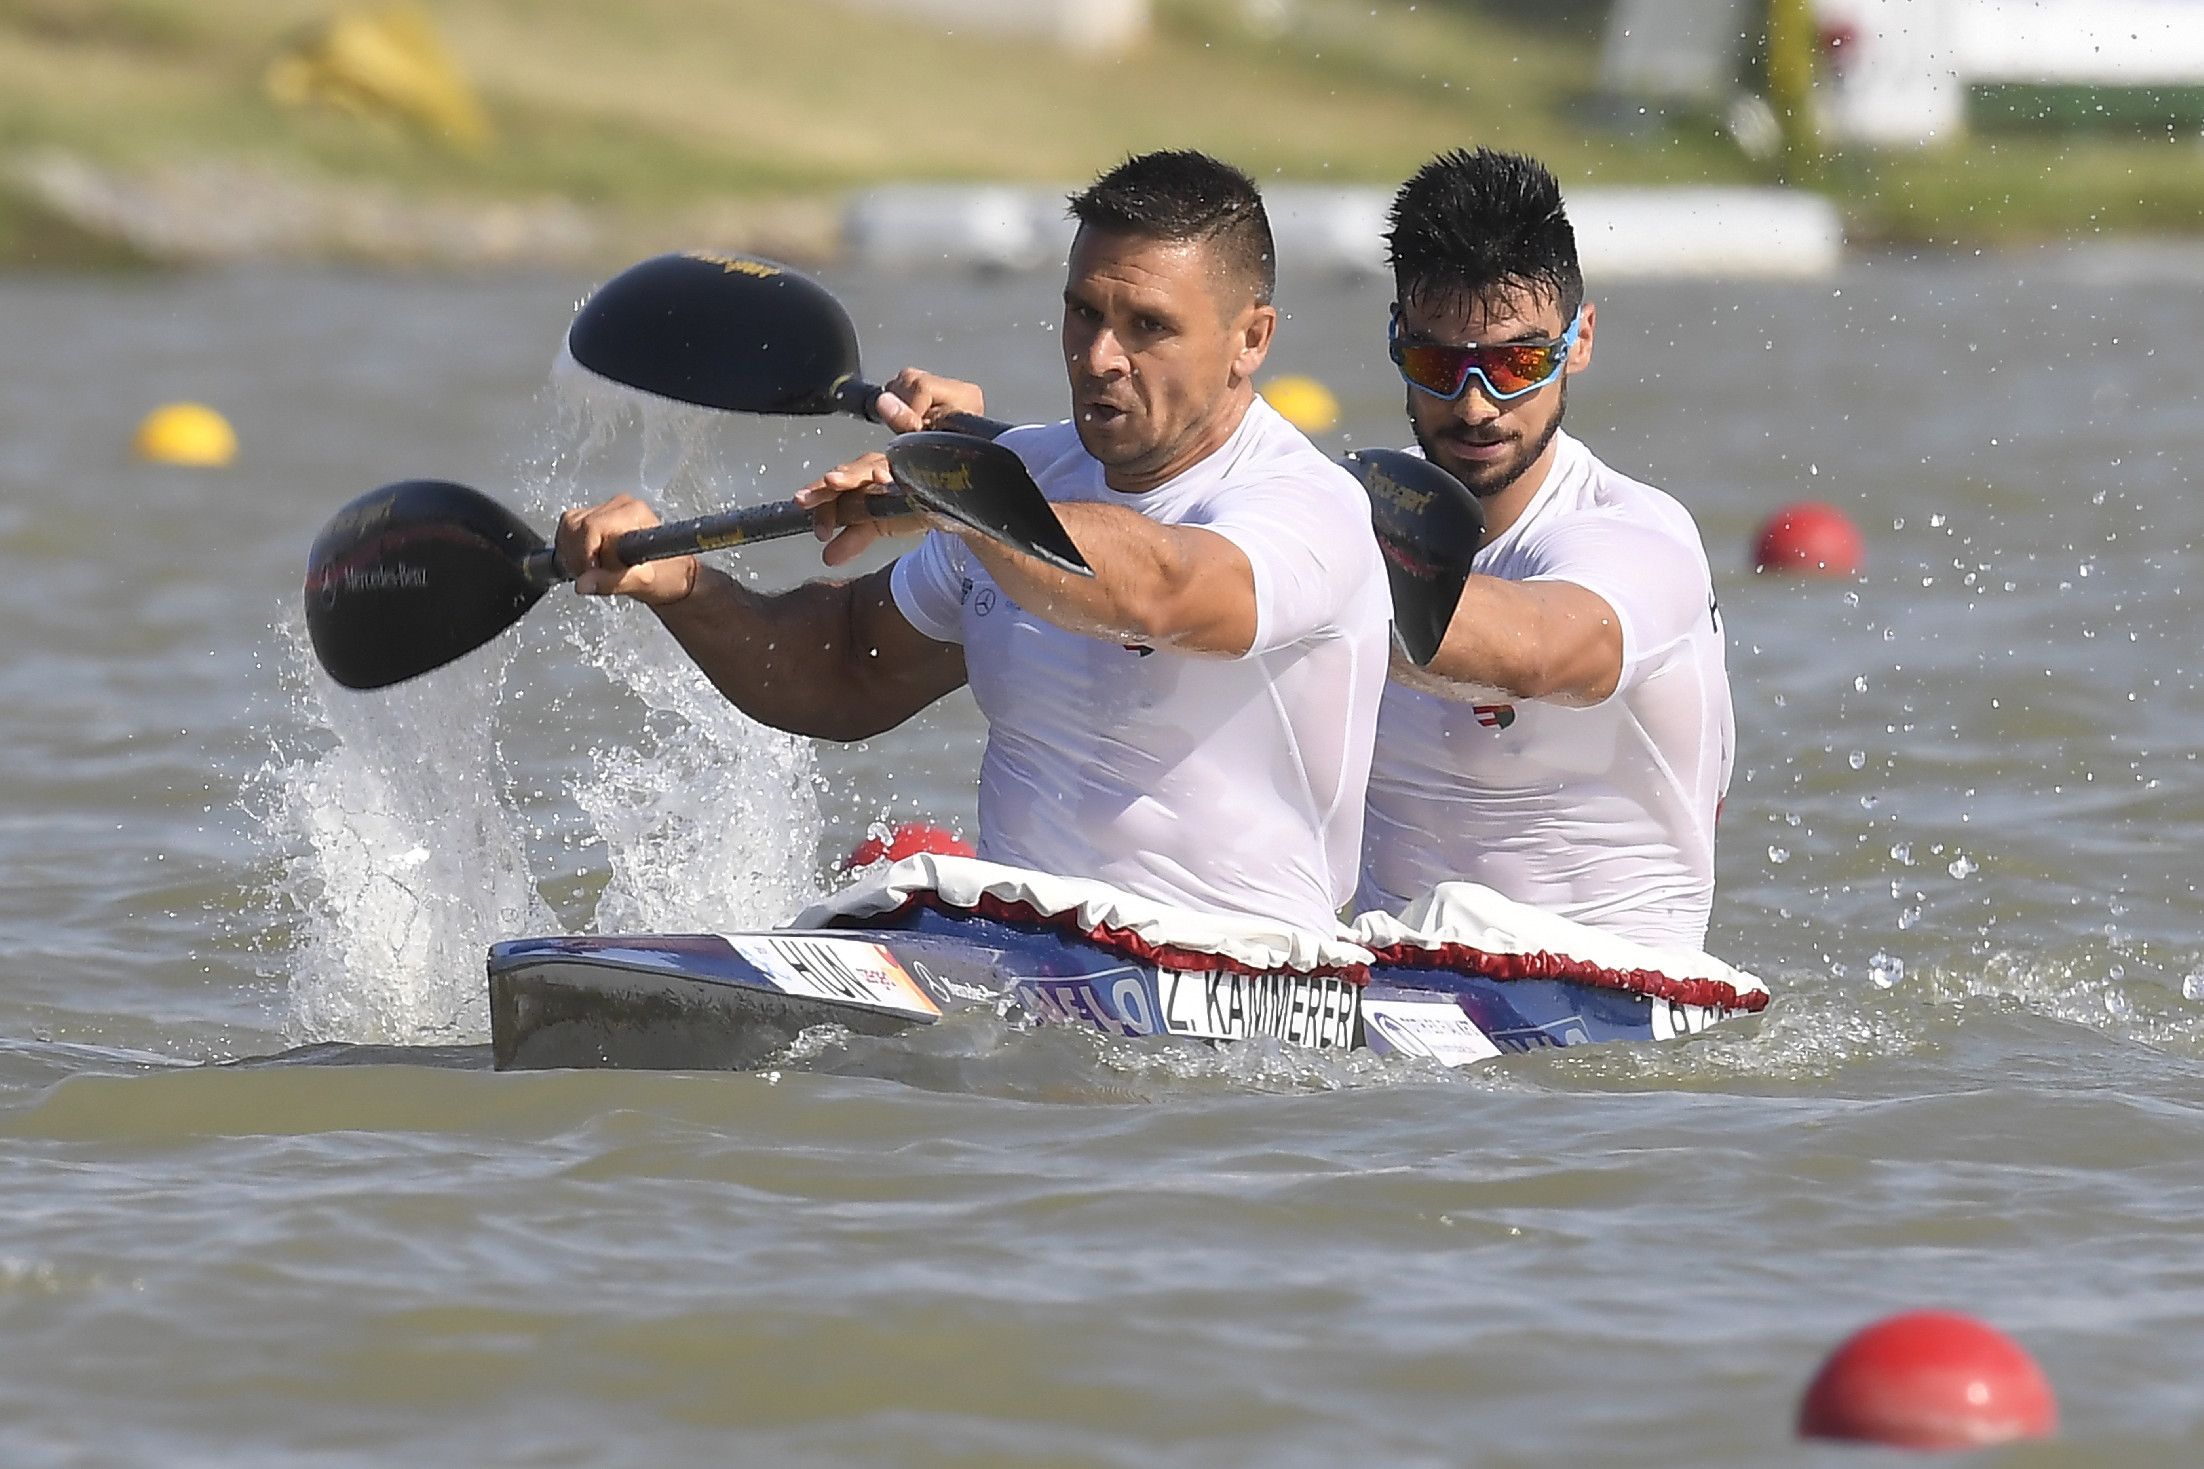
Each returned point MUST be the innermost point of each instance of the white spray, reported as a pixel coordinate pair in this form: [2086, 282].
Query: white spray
[401, 847]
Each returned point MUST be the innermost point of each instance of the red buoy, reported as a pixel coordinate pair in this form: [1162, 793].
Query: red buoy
[1929, 1380]
[1809, 539]
[908, 840]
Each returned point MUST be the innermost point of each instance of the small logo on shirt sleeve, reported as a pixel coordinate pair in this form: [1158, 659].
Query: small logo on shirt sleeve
[1494, 716]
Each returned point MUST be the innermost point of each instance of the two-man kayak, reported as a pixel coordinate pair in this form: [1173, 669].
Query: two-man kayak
[1462, 976]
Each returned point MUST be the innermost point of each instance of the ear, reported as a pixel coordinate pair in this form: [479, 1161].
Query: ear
[1580, 355]
[1254, 330]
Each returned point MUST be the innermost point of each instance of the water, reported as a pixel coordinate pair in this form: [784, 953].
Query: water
[1960, 845]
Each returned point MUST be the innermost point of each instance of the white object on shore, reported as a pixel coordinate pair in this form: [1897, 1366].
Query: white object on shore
[1710, 232]
[1622, 233]
[1076, 25]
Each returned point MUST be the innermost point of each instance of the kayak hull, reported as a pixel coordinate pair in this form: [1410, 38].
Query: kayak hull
[736, 1001]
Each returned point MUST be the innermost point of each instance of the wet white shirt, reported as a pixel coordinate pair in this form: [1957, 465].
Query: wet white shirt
[1227, 785]
[1602, 814]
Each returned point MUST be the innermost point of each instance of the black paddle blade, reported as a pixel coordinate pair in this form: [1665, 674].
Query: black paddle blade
[408, 577]
[719, 331]
[979, 483]
[1429, 526]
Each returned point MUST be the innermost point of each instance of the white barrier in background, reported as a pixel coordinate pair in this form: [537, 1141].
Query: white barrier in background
[1633, 233]
[1077, 25]
[1622, 233]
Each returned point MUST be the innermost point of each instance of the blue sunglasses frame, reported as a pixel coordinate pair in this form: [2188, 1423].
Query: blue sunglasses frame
[1566, 341]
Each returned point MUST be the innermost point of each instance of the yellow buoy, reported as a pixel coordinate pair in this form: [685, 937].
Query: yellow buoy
[186, 433]
[1303, 402]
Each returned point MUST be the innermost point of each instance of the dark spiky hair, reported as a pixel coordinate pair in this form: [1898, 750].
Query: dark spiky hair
[1187, 197]
[1474, 223]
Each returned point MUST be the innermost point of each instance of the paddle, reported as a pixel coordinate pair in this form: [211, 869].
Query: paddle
[1428, 526]
[732, 332]
[408, 577]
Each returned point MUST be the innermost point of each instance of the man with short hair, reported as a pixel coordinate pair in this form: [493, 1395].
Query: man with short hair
[1570, 743]
[1193, 724]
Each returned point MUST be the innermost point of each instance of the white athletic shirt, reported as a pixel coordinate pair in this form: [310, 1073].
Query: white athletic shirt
[1602, 814]
[1227, 785]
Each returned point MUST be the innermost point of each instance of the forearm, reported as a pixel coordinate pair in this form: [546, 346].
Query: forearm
[795, 660]
[1166, 586]
[1526, 640]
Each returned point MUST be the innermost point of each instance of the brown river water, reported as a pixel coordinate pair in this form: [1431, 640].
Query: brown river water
[1962, 845]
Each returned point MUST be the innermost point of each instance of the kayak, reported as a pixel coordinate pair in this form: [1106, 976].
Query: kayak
[1462, 977]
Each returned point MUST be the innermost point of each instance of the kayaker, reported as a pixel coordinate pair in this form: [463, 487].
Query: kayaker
[1571, 743]
[1194, 723]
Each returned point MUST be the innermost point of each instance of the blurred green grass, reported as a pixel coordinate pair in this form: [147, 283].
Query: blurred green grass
[648, 105]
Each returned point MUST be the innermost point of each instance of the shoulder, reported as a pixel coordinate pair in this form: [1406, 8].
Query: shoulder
[1273, 453]
[1609, 489]
[1050, 450]
[1598, 503]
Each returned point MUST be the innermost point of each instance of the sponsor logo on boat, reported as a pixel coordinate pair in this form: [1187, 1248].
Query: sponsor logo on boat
[1436, 1030]
[984, 603]
[851, 970]
[735, 264]
[1141, 648]
[956, 988]
[1494, 716]
[1119, 1001]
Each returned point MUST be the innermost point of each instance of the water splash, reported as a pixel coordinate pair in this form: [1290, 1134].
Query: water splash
[391, 815]
[710, 820]
[401, 860]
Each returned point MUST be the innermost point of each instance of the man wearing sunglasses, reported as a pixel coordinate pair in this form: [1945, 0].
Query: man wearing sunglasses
[1569, 744]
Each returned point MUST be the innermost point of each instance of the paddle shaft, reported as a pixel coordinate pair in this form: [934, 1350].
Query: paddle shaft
[747, 527]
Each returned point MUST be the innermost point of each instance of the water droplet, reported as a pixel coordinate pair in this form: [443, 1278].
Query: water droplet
[1885, 970]
[1902, 852]
[1779, 855]
[2192, 985]
[1857, 759]
[1851, 599]
[1869, 803]
[1859, 684]
[1961, 868]
[1936, 520]
[1909, 917]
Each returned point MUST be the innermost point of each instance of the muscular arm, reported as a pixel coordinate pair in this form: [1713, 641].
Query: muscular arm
[833, 659]
[1169, 586]
[1550, 640]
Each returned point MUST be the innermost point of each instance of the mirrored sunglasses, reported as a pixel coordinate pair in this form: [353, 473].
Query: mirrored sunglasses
[1507, 369]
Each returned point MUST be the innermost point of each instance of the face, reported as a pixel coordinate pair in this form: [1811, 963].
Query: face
[1490, 446]
[1161, 358]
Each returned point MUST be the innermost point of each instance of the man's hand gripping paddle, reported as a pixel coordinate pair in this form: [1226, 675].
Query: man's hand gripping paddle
[1429, 527]
[408, 577]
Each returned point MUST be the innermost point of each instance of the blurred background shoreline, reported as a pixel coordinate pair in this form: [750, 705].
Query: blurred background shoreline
[574, 133]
